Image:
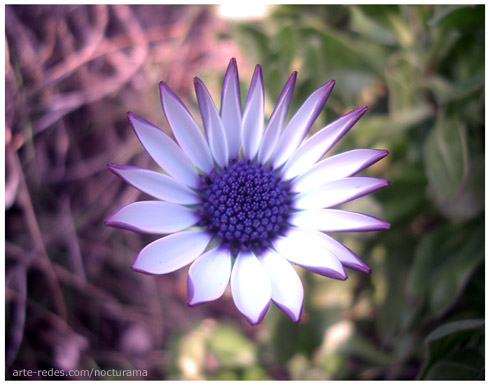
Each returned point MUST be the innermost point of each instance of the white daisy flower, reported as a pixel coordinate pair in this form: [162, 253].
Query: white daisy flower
[263, 195]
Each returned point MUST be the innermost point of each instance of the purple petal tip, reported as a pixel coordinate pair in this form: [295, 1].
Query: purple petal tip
[289, 313]
[164, 87]
[261, 316]
[135, 269]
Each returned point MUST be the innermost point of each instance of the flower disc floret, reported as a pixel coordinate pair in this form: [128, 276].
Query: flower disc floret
[246, 205]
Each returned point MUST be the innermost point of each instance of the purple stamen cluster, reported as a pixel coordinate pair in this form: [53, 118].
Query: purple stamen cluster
[246, 205]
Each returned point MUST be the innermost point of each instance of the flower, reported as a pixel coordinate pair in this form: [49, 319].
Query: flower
[241, 203]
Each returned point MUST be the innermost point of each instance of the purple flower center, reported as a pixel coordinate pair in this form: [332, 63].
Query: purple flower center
[246, 205]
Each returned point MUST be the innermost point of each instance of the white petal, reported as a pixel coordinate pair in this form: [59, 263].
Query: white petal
[336, 220]
[346, 256]
[156, 184]
[253, 116]
[212, 124]
[153, 217]
[172, 252]
[250, 287]
[314, 148]
[186, 130]
[287, 289]
[335, 167]
[168, 155]
[338, 191]
[209, 276]
[231, 109]
[276, 121]
[306, 249]
[300, 123]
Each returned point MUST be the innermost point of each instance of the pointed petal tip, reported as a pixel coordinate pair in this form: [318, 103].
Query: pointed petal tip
[257, 74]
[294, 317]
[291, 80]
[326, 89]
[164, 88]
[133, 117]
[335, 274]
[381, 152]
[342, 278]
[357, 265]
[197, 81]
[138, 270]
[261, 316]
[366, 269]
[231, 70]
[358, 112]
[121, 225]
[114, 167]
[339, 275]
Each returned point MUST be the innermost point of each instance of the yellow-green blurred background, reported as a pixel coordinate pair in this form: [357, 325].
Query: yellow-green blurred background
[72, 302]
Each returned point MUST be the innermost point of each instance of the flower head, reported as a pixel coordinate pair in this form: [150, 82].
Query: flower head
[241, 202]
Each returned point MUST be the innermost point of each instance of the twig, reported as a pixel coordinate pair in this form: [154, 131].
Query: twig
[71, 238]
[25, 202]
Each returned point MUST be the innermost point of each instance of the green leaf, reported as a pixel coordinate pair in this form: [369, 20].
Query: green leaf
[459, 16]
[411, 185]
[404, 83]
[340, 51]
[375, 128]
[258, 39]
[286, 43]
[369, 27]
[444, 343]
[454, 186]
[444, 261]
[446, 92]
[465, 364]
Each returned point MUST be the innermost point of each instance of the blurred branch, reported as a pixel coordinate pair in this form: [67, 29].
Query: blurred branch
[124, 65]
[24, 200]
[71, 238]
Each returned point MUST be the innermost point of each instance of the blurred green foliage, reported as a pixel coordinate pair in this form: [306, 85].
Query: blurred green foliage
[420, 313]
